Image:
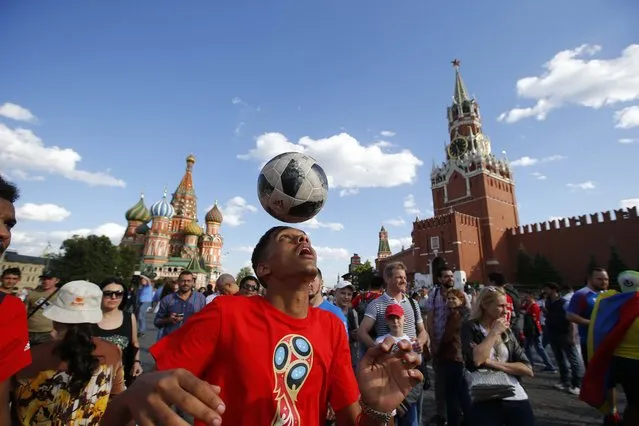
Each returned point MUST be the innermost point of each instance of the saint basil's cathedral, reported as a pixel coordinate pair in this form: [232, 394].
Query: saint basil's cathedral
[174, 240]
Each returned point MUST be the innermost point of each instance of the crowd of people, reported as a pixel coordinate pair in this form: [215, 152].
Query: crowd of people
[274, 348]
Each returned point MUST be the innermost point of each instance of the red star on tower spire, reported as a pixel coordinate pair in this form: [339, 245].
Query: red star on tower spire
[456, 63]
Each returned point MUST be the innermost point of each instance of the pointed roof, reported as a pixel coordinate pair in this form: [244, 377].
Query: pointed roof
[196, 265]
[214, 215]
[461, 94]
[186, 184]
[383, 229]
[384, 247]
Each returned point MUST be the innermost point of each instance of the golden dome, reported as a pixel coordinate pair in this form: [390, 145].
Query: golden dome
[193, 228]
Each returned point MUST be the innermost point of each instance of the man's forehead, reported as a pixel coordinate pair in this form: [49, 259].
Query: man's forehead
[7, 210]
[290, 231]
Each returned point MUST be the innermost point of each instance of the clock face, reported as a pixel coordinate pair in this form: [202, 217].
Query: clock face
[458, 147]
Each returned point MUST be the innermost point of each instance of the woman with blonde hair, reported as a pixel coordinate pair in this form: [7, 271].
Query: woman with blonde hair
[488, 344]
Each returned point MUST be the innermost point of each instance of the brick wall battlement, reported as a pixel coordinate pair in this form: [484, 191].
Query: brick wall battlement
[444, 220]
[577, 221]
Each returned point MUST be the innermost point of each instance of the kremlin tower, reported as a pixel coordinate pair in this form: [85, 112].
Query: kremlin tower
[175, 241]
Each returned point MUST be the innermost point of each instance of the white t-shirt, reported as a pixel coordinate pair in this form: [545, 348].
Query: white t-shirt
[397, 339]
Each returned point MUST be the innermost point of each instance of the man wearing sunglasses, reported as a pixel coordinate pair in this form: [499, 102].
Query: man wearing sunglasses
[249, 286]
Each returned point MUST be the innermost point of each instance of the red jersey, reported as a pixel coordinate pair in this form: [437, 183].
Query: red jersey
[272, 368]
[15, 353]
[510, 308]
[535, 312]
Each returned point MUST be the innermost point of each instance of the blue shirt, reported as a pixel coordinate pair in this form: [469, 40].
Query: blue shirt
[582, 303]
[173, 304]
[328, 306]
[145, 294]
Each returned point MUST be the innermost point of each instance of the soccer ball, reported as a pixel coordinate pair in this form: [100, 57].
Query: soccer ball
[292, 187]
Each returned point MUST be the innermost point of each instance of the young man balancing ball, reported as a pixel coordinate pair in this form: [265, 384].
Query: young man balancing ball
[271, 360]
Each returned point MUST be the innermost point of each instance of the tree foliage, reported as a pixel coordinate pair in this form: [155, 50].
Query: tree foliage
[244, 272]
[615, 265]
[93, 258]
[363, 275]
[544, 271]
[525, 268]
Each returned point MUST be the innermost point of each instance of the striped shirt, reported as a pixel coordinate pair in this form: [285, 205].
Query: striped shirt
[376, 310]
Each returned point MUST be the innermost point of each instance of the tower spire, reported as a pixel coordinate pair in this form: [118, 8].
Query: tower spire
[461, 94]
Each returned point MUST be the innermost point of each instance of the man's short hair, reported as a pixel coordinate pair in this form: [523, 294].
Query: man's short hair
[185, 272]
[12, 271]
[260, 248]
[248, 278]
[8, 191]
[497, 278]
[391, 267]
[443, 269]
[552, 286]
[223, 277]
[592, 271]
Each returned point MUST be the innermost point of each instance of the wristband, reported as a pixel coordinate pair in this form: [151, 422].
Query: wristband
[137, 361]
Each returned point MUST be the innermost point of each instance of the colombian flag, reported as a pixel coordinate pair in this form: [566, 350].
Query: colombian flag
[611, 317]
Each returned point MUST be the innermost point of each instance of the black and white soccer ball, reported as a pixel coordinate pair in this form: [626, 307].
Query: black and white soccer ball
[292, 187]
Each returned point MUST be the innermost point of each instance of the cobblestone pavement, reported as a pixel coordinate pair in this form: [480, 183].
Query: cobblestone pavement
[551, 407]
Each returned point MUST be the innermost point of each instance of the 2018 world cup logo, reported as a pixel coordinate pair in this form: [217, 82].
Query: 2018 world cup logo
[292, 363]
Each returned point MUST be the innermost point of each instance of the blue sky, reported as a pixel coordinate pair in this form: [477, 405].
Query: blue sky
[113, 96]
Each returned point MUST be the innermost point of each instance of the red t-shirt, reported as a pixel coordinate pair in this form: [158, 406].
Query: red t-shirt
[15, 353]
[267, 363]
[510, 308]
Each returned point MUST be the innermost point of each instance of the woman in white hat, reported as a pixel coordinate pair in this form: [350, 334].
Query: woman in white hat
[70, 379]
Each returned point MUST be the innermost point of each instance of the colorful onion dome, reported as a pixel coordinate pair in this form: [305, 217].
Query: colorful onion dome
[214, 215]
[190, 159]
[138, 212]
[193, 228]
[162, 208]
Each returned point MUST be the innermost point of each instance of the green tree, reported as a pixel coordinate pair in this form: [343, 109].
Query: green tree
[525, 268]
[615, 265]
[592, 263]
[363, 275]
[92, 258]
[544, 271]
[244, 272]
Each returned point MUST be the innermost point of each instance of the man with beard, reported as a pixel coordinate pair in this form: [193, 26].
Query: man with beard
[268, 360]
[177, 307]
[317, 301]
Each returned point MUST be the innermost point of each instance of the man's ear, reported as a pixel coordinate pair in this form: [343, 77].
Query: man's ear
[262, 270]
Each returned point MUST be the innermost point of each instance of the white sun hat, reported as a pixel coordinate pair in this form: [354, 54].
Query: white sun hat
[628, 281]
[343, 284]
[77, 302]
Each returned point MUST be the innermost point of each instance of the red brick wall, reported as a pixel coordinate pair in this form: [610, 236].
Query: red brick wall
[569, 246]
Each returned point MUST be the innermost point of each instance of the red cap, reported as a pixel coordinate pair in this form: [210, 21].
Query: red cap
[394, 310]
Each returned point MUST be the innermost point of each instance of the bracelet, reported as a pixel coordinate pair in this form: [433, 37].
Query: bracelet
[380, 416]
[137, 361]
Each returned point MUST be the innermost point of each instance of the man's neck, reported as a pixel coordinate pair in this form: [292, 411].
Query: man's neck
[316, 300]
[185, 295]
[395, 294]
[291, 301]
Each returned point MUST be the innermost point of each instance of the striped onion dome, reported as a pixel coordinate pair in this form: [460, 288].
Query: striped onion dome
[214, 215]
[193, 228]
[162, 208]
[138, 212]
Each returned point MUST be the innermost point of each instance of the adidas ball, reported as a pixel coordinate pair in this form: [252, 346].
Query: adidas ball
[292, 187]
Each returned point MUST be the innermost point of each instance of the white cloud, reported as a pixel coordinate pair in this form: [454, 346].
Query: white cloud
[234, 210]
[16, 112]
[526, 161]
[18, 174]
[347, 163]
[24, 152]
[398, 243]
[324, 253]
[348, 191]
[629, 202]
[627, 117]
[42, 212]
[395, 222]
[238, 128]
[583, 185]
[35, 243]
[539, 176]
[313, 223]
[387, 133]
[245, 249]
[571, 77]
[410, 206]
[238, 101]
[628, 140]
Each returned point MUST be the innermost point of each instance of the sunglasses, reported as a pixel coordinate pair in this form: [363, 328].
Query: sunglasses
[250, 287]
[111, 294]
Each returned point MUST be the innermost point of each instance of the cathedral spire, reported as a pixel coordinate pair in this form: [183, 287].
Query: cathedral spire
[461, 94]
[383, 249]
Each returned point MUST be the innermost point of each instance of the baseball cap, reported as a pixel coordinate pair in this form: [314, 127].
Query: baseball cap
[77, 302]
[47, 274]
[394, 310]
[628, 281]
[343, 284]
